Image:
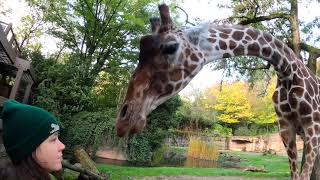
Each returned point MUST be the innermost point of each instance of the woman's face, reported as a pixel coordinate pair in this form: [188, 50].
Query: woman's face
[49, 153]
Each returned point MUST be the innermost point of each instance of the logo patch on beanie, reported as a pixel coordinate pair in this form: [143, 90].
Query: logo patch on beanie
[55, 128]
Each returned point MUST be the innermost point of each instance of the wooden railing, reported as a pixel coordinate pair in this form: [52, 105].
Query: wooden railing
[9, 41]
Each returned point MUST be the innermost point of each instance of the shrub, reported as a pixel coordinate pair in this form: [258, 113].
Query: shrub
[88, 128]
[141, 147]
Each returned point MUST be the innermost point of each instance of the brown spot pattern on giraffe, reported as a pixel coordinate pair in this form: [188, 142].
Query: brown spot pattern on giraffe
[267, 37]
[226, 55]
[223, 45]
[314, 105]
[275, 58]
[187, 52]
[213, 35]
[253, 33]
[285, 108]
[284, 66]
[306, 120]
[304, 108]
[224, 36]
[275, 97]
[237, 35]
[239, 50]
[212, 31]
[297, 81]
[248, 38]
[189, 69]
[292, 100]
[305, 72]
[279, 44]
[194, 57]
[262, 41]
[314, 85]
[310, 131]
[291, 154]
[283, 94]
[316, 117]
[309, 88]
[175, 75]
[178, 86]
[232, 44]
[314, 140]
[168, 90]
[227, 31]
[294, 66]
[212, 40]
[254, 49]
[283, 123]
[266, 51]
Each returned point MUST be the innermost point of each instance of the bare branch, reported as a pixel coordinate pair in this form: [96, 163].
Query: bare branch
[187, 16]
[247, 20]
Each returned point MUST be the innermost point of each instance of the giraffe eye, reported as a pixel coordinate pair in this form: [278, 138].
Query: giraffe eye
[169, 48]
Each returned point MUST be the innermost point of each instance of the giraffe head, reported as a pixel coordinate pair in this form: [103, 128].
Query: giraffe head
[164, 69]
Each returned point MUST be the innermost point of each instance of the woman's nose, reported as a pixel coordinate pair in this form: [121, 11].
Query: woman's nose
[61, 146]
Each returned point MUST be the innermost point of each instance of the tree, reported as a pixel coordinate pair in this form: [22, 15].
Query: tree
[280, 18]
[233, 105]
[82, 82]
[4, 11]
[262, 105]
[103, 34]
[197, 110]
[285, 20]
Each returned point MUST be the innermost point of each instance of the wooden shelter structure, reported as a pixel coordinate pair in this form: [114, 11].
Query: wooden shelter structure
[16, 74]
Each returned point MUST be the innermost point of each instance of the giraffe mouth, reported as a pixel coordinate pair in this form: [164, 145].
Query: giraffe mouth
[129, 120]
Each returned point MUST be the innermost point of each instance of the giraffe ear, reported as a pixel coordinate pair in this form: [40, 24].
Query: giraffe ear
[155, 24]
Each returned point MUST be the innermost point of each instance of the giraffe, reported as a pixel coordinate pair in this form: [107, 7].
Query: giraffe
[170, 57]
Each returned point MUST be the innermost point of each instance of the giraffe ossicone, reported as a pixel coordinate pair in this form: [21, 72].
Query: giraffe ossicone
[170, 57]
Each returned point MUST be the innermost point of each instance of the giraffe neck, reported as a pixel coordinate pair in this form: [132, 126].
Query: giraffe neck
[217, 42]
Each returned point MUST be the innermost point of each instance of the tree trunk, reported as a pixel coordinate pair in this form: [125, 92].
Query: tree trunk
[295, 27]
[296, 48]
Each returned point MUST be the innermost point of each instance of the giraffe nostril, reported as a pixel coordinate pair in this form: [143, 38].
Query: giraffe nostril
[124, 111]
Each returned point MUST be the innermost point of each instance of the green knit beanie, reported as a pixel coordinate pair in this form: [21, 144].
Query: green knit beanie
[25, 127]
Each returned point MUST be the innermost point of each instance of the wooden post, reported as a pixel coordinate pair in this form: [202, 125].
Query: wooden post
[27, 93]
[16, 84]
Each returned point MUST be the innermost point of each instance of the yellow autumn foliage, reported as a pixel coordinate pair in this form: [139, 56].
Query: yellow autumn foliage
[235, 102]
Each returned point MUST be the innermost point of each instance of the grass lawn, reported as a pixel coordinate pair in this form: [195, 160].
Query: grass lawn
[275, 165]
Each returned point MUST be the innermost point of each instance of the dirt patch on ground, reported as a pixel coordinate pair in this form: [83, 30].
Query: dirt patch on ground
[203, 178]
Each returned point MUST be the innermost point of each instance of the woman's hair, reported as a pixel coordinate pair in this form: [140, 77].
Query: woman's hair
[27, 168]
